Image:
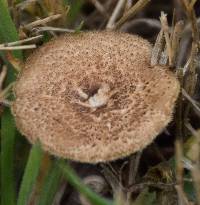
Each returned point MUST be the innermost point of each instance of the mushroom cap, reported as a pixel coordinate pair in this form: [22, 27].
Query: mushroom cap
[93, 97]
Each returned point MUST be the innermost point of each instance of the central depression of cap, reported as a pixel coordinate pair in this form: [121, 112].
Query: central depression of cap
[93, 96]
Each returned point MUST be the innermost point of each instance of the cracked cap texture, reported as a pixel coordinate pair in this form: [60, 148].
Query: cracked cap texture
[50, 107]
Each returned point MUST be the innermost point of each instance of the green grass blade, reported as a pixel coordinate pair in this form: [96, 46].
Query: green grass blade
[145, 198]
[7, 33]
[30, 174]
[75, 6]
[50, 186]
[75, 181]
[7, 143]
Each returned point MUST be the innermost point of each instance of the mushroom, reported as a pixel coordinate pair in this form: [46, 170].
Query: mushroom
[93, 97]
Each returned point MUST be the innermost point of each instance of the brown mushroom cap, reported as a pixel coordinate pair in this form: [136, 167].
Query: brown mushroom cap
[65, 75]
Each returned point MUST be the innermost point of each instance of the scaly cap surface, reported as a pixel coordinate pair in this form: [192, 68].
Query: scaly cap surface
[93, 96]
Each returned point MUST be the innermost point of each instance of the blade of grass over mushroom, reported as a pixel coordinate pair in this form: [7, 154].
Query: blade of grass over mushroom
[30, 174]
[74, 180]
[50, 185]
[7, 33]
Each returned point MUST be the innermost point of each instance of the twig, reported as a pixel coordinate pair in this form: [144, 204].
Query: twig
[115, 14]
[17, 47]
[42, 21]
[131, 12]
[100, 8]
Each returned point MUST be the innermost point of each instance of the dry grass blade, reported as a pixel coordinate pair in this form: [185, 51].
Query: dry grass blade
[165, 27]
[193, 102]
[128, 4]
[115, 14]
[15, 62]
[15, 43]
[131, 12]
[100, 8]
[192, 17]
[4, 94]
[42, 21]
[110, 177]
[186, 66]
[182, 198]
[3, 76]
[49, 28]
[192, 77]
[197, 136]
[175, 39]
[133, 169]
[9, 48]
[192, 3]
[195, 167]
[164, 56]
[157, 49]
[179, 165]
[196, 180]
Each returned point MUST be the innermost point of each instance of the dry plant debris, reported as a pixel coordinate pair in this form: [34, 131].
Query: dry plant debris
[94, 97]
